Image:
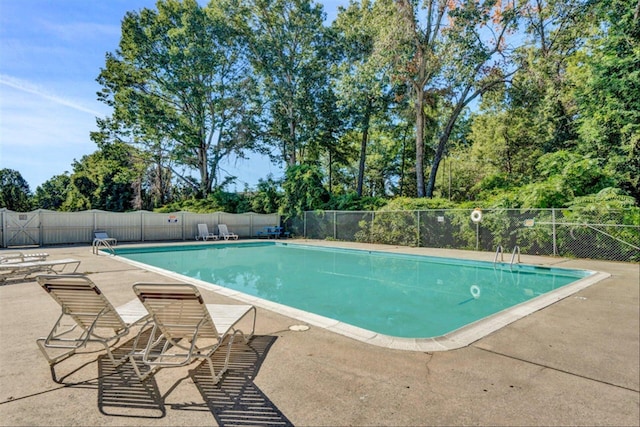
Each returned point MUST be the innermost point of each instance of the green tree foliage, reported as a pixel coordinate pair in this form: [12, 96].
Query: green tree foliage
[550, 107]
[560, 178]
[14, 191]
[327, 148]
[288, 51]
[267, 196]
[53, 193]
[180, 87]
[504, 104]
[505, 141]
[440, 50]
[303, 190]
[607, 80]
[540, 96]
[363, 87]
[219, 201]
[103, 180]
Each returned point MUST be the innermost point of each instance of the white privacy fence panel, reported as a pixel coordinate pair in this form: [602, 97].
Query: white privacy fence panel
[44, 227]
[72, 227]
[126, 227]
[163, 226]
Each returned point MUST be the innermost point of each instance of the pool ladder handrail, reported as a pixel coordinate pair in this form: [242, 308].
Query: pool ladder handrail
[99, 242]
[513, 255]
[498, 251]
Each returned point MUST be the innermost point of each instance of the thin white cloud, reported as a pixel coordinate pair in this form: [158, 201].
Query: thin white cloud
[28, 87]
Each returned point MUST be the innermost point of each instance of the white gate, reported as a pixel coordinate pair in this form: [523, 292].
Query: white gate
[20, 229]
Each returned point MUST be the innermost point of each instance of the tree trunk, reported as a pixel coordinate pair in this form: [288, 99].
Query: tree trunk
[205, 178]
[420, 141]
[363, 148]
[292, 138]
[434, 167]
[330, 172]
[442, 144]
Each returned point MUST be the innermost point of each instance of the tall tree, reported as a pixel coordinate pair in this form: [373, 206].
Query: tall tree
[14, 191]
[180, 84]
[328, 126]
[288, 51]
[446, 51]
[556, 30]
[303, 190]
[53, 193]
[535, 113]
[363, 87]
[103, 180]
[607, 82]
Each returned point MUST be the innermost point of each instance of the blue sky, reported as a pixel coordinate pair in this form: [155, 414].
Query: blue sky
[50, 55]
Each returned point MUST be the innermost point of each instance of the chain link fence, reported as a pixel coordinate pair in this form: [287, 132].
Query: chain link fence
[612, 235]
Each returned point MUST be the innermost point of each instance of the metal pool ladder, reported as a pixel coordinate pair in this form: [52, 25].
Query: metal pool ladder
[499, 251]
[99, 242]
[516, 249]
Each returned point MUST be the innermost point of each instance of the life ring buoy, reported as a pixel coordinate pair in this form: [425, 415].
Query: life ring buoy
[476, 215]
[475, 291]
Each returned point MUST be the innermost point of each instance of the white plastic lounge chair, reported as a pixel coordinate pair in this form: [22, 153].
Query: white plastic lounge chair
[185, 328]
[203, 233]
[22, 257]
[103, 236]
[24, 269]
[224, 232]
[96, 320]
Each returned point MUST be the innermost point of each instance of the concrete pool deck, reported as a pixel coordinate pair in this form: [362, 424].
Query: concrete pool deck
[575, 362]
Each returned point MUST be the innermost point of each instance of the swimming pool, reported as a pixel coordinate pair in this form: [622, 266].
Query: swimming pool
[390, 299]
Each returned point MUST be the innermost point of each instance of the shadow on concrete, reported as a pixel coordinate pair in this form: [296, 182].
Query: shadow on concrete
[236, 400]
[120, 391]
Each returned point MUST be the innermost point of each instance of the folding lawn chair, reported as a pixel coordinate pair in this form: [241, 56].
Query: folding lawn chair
[185, 329]
[94, 318]
[10, 269]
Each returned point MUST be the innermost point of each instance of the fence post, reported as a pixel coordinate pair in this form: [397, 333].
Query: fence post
[553, 222]
[373, 218]
[304, 225]
[40, 232]
[418, 229]
[335, 225]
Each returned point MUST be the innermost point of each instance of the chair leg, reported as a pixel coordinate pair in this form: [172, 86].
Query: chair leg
[141, 376]
[217, 378]
[57, 359]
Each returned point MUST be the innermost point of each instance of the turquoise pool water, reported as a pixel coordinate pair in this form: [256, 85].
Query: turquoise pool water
[392, 294]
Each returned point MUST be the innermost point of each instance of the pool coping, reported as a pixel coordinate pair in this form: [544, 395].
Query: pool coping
[458, 338]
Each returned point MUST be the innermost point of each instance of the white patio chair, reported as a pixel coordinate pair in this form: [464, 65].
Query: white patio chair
[225, 233]
[204, 234]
